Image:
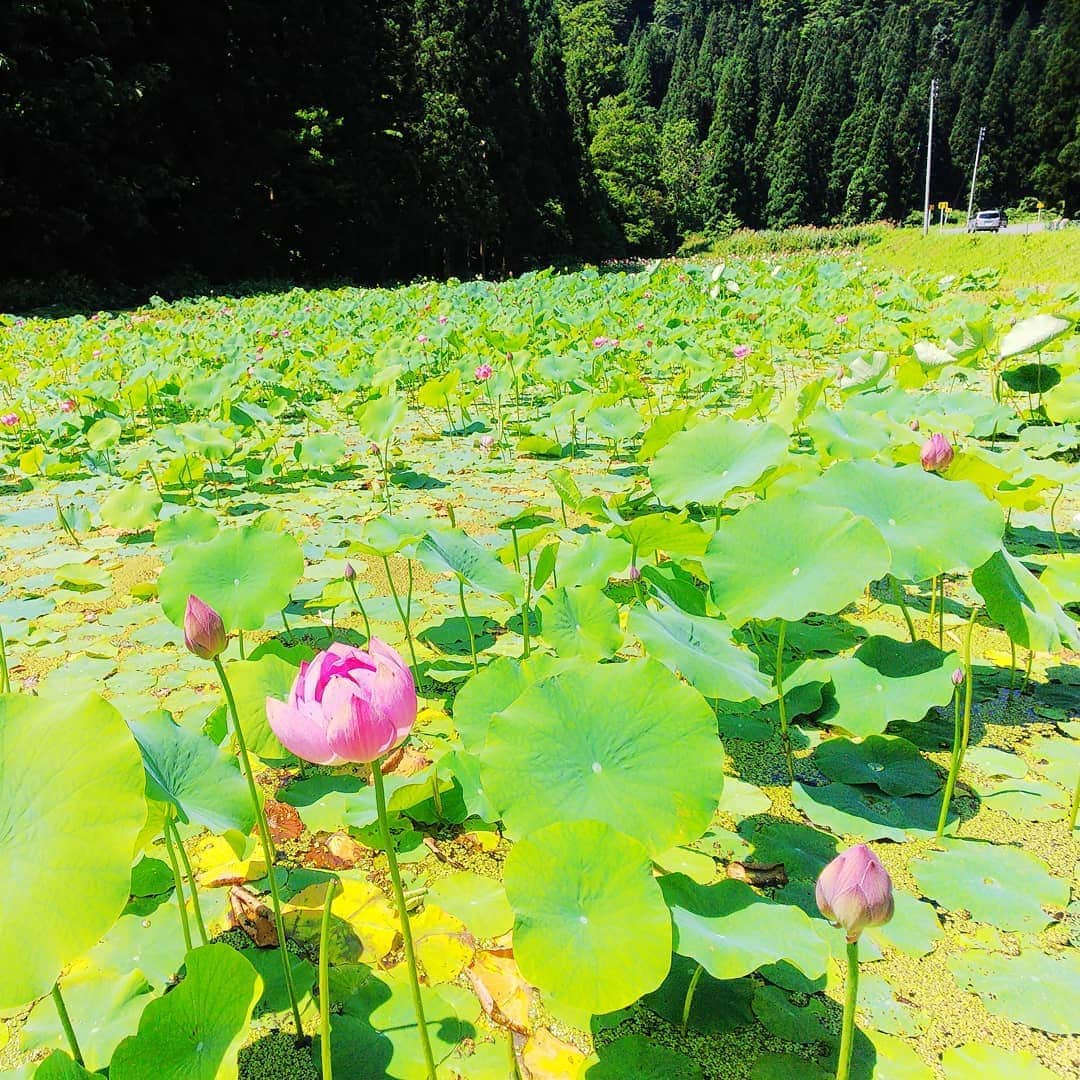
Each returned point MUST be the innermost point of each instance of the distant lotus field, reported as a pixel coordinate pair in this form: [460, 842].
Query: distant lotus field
[651, 673]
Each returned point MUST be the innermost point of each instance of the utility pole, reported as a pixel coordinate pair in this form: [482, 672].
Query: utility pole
[974, 173]
[929, 147]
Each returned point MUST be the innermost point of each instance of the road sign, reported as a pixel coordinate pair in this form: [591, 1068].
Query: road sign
[1040, 206]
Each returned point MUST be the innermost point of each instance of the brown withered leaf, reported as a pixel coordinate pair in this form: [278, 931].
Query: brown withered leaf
[502, 990]
[284, 821]
[248, 912]
[336, 851]
[763, 875]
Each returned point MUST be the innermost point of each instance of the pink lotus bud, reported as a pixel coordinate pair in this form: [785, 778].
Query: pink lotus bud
[741, 352]
[373, 448]
[487, 441]
[913, 424]
[855, 891]
[640, 326]
[483, 372]
[422, 338]
[600, 341]
[936, 454]
[958, 677]
[350, 572]
[9, 419]
[346, 705]
[635, 574]
[840, 320]
[444, 319]
[204, 632]
[68, 405]
[648, 344]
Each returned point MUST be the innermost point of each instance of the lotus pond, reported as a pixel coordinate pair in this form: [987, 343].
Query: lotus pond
[691, 608]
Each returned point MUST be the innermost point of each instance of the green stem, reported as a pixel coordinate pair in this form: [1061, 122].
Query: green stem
[404, 618]
[399, 900]
[1053, 524]
[898, 593]
[1012, 663]
[468, 624]
[962, 732]
[324, 979]
[933, 606]
[5, 676]
[851, 995]
[240, 644]
[65, 1023]
[781, 706]
[525, 607]
[363, 613]
[941, 614]
[1075, 806]
[688, 1001]
[267, 846]
[186, 863]
[285, 621]
[178, 879]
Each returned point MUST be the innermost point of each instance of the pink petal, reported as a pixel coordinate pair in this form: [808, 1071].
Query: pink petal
[301, 730]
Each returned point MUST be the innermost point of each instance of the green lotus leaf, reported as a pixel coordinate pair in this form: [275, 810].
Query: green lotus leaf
[788, 556]
[892, 764]
[245, 574]
[805, 852]
[452, 550]
[670, 533]
[633, 1057]
[914, 928]
[781, 1017]
[62, 763]
[741, 799]
[1058, 759]
[252, 682]
[580, 621]
[731, 930]
[1034, 988]
[1026, 800]
[614, 421]
[716, 1006]
[850, 811]
[590, 923]
[981, 1061]
[701, 650]
[1003, 886]
[1030, 335]
[627, 744]
[320, 451]
[185, 769]
[1032, 378]
[192, 526]
[879, 1005]
[1017, 600]
[709, 461]
[379, 418]
[58, 1066]
[931, 525]
[594, 561]
[103, 434]
[1061, 579]
[1062, 402]
[196, 1031]
[479, 902]
[131, 509]
[385, 535]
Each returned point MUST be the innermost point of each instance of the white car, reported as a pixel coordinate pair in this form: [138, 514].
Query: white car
[988, 221]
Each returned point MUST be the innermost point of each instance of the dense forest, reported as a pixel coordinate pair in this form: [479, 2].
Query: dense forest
[387, 138]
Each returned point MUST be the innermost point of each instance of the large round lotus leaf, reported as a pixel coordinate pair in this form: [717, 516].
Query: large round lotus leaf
[1003, 886]
[614, 421]
[805, 852]
[701, 650]
[590, 924]
[1031, 334]
[593, 561]
[981, 1061]
[1034, 988]
[731, 930]
[633, 1057]
[478, 901]
[851, 811]
[914, 928]
[707, 462]
[380, 417]
[788, 1021]
[453, 550]
[892, 764]
[184, 768]
[386, 535]
[320, 451]
[245, 574]
[717, 1006]
[1026, 800]
[1017, 600]
[580, 622]
[623, 743]
[252, 682]
[888, 680]
[131, 508]
[671, 533]
[1031, 378]
[786, 557]
[931, 525]
[196, 1031]
[71, 806]
[193, 526]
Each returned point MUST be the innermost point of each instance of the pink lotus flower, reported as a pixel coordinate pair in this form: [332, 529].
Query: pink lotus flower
[68, 405]
[634, 574]
[9, 419]
[204, 632]
[855, 891]
[958, 676]
[346, 705]
[600, 341]
[741, 352]
[913, 424]
[487, 441]
[936, 454]
[422, 338]
[840, 320]
[483, 372]
[640, 326]
[444, 319]
[374, 448]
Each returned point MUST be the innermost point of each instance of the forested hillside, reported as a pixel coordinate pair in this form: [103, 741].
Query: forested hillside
[144, 138]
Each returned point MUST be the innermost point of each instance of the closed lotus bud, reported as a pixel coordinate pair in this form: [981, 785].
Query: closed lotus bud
[487, 441]
[855, 891]
[913, 424]
[958, 676]
[204, 632]
[936, 454]
[350, 572]
[635, 574]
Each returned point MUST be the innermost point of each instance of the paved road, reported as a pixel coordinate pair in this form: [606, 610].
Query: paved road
[1026, 227]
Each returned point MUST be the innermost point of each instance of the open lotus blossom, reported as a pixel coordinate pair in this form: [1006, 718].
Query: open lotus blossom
[204, 631]
[487, 441]
[855, 891]
[483, 372]
[936, 454]
[9, 419]
[422, 338]
[840, 320]
[68, 405]
[741, 352]
[346, 705]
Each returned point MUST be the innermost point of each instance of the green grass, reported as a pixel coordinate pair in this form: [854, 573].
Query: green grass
[1022, 259]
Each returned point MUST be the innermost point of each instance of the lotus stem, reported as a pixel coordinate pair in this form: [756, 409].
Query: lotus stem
[941, 614]
[781, 706]
[688, 1001]
[1012, 663]
[851, 996]
[285, 619]
[5, 675]
[65, 1023]
[1075, 805]
[933, 605]
[1027, 671]
[403, 913]
[178, 880]
[468, 624]
[1053, 523]
[267, 846]
[363, 613]
[324, 979]
[898, 593]
[196, 906]
[401, 614]
[961, 732]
